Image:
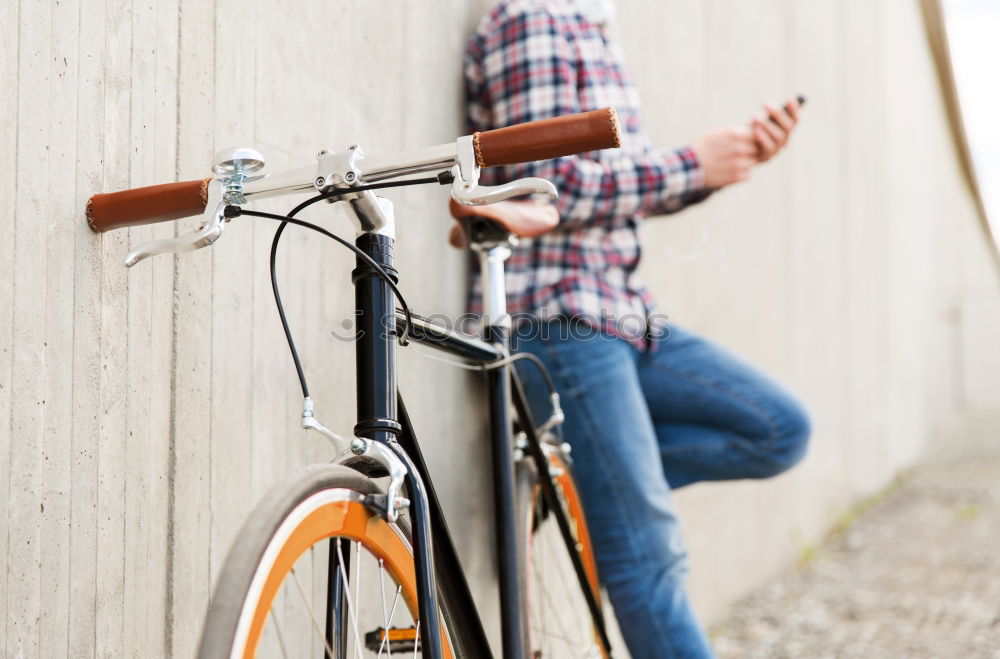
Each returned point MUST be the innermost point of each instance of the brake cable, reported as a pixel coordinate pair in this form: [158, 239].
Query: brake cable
[444, 178]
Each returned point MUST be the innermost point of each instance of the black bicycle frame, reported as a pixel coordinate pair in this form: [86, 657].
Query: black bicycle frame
[382, 417]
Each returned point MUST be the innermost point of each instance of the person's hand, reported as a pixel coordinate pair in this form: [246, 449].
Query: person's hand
[726, 155]
[772, 128]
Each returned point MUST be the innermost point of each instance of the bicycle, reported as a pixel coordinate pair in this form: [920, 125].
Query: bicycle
[302, 545]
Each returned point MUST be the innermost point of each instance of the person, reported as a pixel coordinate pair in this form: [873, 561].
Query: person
[648, 409]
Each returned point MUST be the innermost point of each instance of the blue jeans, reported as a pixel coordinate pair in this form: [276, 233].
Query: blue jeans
[642, 424]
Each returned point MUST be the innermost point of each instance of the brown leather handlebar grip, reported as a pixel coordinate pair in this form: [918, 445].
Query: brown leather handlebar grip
[548, 138]
[156, 203]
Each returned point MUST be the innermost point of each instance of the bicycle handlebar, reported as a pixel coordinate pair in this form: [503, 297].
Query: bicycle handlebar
[535, 140]
[548, 138]
[149, 205]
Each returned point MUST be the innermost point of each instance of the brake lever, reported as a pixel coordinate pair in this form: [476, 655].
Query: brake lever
[472, 194]
[208, 233]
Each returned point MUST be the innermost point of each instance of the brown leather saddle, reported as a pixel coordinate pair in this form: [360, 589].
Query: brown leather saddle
[526, 219]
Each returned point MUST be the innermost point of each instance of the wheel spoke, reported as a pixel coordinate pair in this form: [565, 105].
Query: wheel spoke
[392, 610]
[281, 637]
[350, 605]
[559, 617]
[385, 615]
[552, 608]
[566, 586]
[572, 584]
[312, 614]
[357, 593]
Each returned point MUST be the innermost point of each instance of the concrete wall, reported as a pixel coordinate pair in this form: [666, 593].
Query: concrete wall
[149, 409]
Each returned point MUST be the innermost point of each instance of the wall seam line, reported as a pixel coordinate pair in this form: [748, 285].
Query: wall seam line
[168, 643]
[128, 346]
[72, 390]
[10, 417]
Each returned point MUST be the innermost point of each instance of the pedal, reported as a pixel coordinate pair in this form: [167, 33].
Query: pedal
[400, 639]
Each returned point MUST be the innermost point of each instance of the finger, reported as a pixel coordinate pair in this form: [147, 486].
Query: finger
[779, 117]
[766, 146]
[792, 107]
[776, 132]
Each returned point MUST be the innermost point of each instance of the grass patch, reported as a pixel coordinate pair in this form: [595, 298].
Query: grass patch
[810, 551]
[848, 517]
[969, 512]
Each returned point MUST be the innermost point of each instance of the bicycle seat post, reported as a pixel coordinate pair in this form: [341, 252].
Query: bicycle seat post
[492, 242]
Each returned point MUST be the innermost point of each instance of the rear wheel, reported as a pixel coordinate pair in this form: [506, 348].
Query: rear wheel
[315, 573]
[560, 625]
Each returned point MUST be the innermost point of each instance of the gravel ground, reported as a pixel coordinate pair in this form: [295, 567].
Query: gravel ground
[915, 575]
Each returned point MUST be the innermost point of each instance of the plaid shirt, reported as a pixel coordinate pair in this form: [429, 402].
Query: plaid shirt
[533, 59]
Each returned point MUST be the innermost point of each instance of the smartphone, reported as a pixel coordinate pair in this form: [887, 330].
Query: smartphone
[800, 98]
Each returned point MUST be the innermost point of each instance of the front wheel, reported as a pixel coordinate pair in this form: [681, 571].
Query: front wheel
[560, 625]
[314, 572]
